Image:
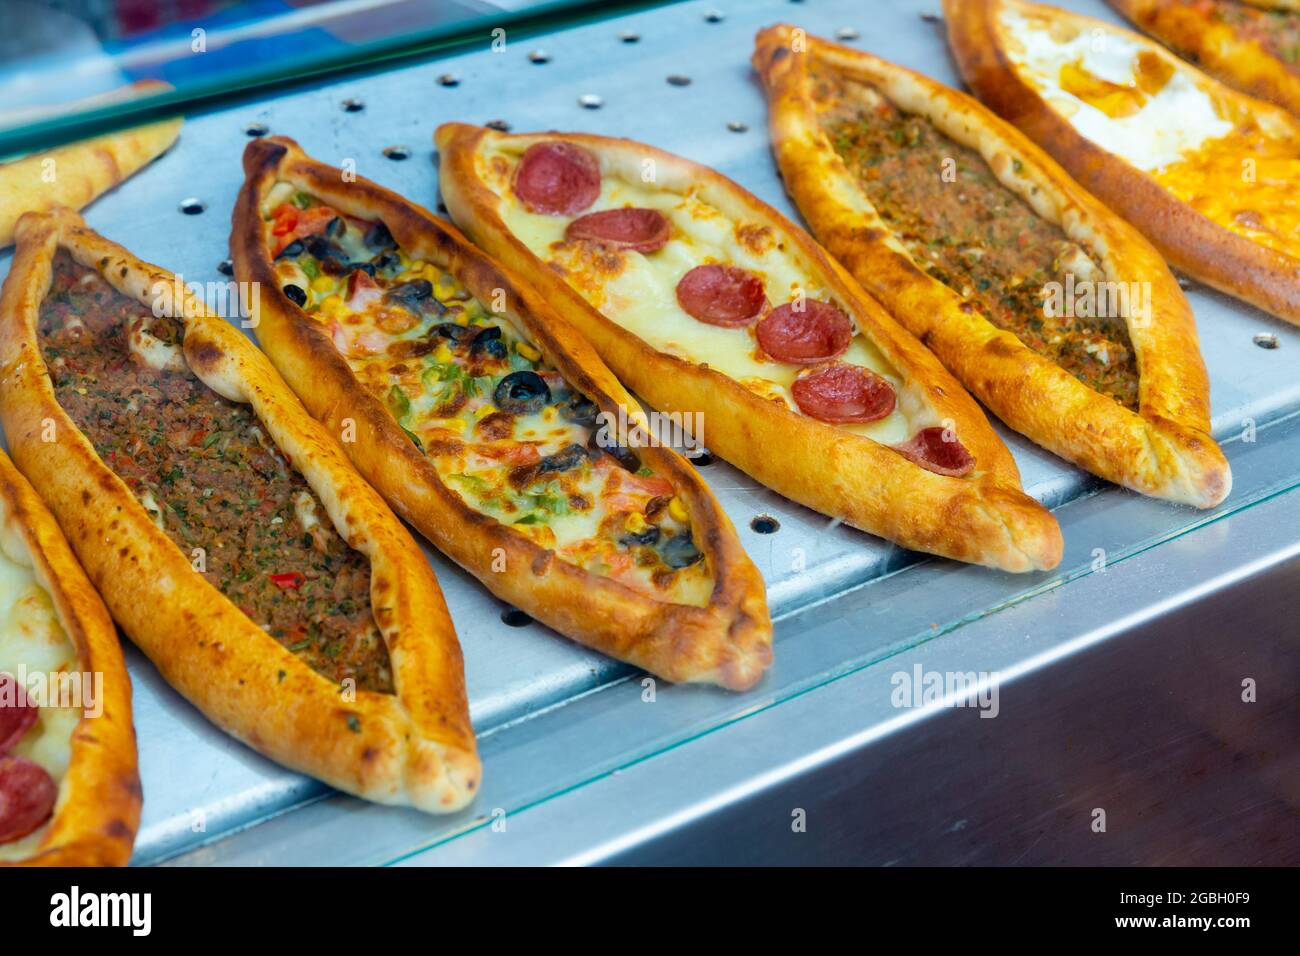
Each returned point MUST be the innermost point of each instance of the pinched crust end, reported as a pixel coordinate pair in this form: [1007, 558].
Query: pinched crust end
[1165, 450]
[413, 748]
[1189, 240]
[83, 171]
[1243, 64]
[98, 809]
[984, 519]
[726, 642]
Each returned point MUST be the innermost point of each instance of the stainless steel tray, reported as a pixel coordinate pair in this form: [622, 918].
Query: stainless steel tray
[551, 715]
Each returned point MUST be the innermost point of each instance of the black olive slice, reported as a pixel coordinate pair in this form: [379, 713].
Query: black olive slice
[296, 294]
[649, 536]
[378, 237]
[623, 455]
[387, 262]
[566, 459]
[336, 227]
[488, 342]
[292, 251]
[679, 551]
[580, 410]
[459, 334]
[521, 393]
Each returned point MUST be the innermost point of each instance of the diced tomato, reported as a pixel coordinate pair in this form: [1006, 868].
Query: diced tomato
[510, 453]
[292, 223]
[289, 580]
[360, 281]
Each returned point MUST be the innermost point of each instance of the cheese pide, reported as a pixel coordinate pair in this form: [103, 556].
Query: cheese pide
[1252, 46]
[1054, 312]
[705, 300]
[1205, 172]
[69, 786]
[224, 527]
[491, 426]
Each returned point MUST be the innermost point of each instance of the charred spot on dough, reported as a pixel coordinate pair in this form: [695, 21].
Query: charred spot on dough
[542, 563]
[872, 234]
[369, 755]
[500, 166]
[205, 354]
[85, 497]
[780, 53]
[118, 830]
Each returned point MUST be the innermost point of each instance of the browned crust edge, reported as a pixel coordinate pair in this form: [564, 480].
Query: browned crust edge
[82, 171]
[984, 519]
[98, 809]
[1217, 48]
[413, 748]
[727, 642]
[1166, 451]
[1189, 240]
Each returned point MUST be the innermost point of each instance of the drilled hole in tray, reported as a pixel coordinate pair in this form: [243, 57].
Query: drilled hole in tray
[1267, 340]
[700, 458]
[590, 101]
[679, 79]
[448, 79]
[501, 126]
[226, 267]
[715, 16]
[738, 127]
[513, 617]
[931, 18]
[764, 524]
[627, 36]
[192, 206]
[846, 33]
[255, 130]
[397, 153]
[539, 57]
[353, 106]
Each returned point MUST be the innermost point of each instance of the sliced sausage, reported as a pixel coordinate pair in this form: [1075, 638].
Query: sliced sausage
[17, 713]
[721, 295]
[805, 334]
[557, 179]
[843, 394]
[27, 795]
[929, 449]
[638, 230]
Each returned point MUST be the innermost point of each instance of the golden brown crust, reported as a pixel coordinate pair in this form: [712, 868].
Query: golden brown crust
[1165, 450]
[1217, 48]
[78, 173]
[984, 519]
[415, 747]
[726, 642]
[1188, 239]
[98, 809]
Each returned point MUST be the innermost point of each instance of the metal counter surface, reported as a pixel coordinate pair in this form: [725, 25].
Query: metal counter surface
[551, 715]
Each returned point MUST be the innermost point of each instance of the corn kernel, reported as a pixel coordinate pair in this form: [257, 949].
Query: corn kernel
[677, 509]
[332, 303]
[527, 351]
[484, 410]
[462, 318]
[443, 355]
[322, 284]
[635, 523]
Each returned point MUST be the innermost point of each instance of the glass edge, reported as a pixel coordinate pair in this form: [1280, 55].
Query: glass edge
[434, 43]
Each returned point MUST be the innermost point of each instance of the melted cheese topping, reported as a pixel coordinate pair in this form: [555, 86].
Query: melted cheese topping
[1095, 78]
[32, 638]
[1119, 91]
[406, 328]
[639, 291]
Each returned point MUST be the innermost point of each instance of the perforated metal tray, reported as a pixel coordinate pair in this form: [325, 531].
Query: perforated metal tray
[551, 715]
